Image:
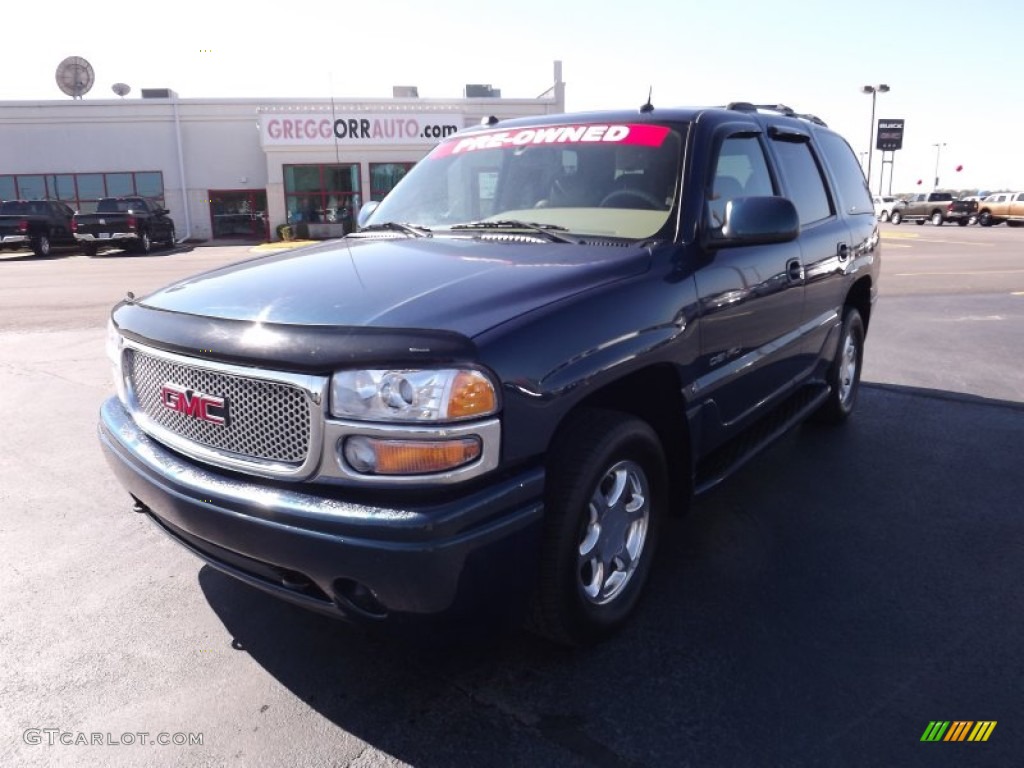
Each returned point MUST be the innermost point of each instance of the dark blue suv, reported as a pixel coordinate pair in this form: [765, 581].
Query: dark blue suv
[546, 339]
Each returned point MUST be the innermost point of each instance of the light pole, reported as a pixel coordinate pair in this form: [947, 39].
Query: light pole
[874, 90]
[938, 151]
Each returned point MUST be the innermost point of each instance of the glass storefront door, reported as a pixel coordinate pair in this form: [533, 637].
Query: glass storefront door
[240, 213]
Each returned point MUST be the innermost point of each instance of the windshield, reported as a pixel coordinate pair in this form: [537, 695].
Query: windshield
[610, 180]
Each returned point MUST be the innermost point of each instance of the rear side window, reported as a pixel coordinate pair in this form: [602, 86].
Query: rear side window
[804, 181]
[852, 188]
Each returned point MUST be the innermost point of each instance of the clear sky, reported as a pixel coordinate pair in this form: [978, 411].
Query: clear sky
[954, 67]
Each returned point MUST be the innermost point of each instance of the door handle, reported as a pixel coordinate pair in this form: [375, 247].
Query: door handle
[794, 270]
[843, 250]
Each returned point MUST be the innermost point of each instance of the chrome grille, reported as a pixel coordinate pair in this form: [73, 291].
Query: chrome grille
[267, 420]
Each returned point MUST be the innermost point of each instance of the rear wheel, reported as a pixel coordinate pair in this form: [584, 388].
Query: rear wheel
[143, 245]
[89, 249]
[896, 217]
[844, 374]
[605, 496]
[171, 238]
[937, 219]
[961, 222]
[41, 245]
[919, 222]
[884, 216]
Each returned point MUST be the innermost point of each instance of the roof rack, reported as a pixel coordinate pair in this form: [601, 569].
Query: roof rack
[779, 109]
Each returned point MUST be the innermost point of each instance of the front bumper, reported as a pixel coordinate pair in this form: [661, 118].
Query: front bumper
[313, 547]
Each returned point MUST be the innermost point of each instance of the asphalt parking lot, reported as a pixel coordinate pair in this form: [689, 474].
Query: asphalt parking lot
[821, 609]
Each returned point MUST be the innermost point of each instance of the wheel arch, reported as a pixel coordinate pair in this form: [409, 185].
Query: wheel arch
[859, 297]
[653, 395]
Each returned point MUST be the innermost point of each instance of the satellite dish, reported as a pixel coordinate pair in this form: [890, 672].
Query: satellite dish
[75, 76]
[121, 89]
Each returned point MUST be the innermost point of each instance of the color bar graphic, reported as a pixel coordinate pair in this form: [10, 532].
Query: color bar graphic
[958, 730]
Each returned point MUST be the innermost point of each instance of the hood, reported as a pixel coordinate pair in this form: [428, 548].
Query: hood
[461, 285]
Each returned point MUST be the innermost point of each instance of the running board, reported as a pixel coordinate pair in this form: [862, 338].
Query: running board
[728, 458]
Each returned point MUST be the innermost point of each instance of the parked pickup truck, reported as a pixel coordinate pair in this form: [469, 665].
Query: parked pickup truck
[127, 222]
[498, 392]
[1000, 207]
[35, 224]
[936, 207]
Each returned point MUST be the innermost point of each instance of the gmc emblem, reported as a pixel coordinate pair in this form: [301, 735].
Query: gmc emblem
[209, 408]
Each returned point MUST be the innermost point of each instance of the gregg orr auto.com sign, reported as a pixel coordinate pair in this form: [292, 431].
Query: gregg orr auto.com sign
[355, 129]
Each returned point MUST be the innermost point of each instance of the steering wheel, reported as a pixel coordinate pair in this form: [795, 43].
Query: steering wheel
[652, 202]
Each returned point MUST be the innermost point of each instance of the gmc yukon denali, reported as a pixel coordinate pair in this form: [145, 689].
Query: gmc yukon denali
[547, 339]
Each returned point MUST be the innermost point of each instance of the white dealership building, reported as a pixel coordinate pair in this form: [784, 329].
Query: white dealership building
[237, 167]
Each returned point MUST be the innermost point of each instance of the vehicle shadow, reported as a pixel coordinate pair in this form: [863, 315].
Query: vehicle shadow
[842, 591]
[56, 252]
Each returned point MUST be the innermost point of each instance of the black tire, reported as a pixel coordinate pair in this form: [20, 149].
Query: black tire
[895, 217]
[961, 222]
[985, 219]
[844, 373]
[89, 249]
[171, 238]
[598, 456]
[143, 245]
[972, 219]
[919, 222]
[41, 245]
[937, 219]
[1013, 223]
[884, 216]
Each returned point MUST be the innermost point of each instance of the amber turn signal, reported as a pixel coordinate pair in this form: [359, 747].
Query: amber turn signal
[472, 394]
[374, 456]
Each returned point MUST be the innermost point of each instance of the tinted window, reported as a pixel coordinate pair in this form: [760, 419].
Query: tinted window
[7, 190]
[90, 186]
[804, 181]
[31, 187]
[850, 183]
[62, 186]
[150, 184]
[120, 184]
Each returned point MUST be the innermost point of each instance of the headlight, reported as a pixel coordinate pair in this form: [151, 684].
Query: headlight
[113, 345]
[448, 394]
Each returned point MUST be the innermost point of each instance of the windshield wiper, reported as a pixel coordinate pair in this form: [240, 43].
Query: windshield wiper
[397, 226]
[550, 231]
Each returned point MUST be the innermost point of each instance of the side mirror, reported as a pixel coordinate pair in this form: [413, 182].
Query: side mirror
[757, 221]
[365, 213]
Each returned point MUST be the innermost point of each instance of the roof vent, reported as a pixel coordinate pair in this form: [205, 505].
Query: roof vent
[478, 91]
[158, 93]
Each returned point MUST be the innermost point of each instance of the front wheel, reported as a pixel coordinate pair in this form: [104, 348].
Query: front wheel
[605, 497]
[41, 245]
[985, 219]
[883, 216]
[896, 217]
[171, 239]
[844, 373]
